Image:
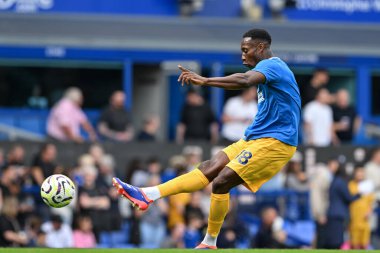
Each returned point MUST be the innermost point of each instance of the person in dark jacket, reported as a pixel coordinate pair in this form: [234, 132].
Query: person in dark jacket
[338, 210]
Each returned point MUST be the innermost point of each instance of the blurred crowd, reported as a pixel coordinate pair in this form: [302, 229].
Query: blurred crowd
[336, 202]
[328, 118]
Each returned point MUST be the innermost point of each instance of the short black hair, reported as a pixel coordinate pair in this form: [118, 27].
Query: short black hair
[259, 34]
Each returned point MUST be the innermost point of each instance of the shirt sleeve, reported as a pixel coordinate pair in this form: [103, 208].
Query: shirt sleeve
[269, 69]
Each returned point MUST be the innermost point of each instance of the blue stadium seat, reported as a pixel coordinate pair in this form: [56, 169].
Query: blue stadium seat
[32, 124]
[105, 239]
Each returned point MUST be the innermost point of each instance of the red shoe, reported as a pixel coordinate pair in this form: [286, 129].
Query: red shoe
[205, 246]
[132, 193]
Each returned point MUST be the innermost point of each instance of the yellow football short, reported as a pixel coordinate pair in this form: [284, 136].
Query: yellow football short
[257, 161]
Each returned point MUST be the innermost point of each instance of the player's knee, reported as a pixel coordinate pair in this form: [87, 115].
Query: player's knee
[220, 185]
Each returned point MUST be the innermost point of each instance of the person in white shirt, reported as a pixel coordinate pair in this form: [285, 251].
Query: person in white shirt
[318, 121]
[58, 234]
[238, 114]
[372, 171]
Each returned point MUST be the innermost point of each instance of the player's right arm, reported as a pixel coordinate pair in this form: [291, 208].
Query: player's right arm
[232, 82]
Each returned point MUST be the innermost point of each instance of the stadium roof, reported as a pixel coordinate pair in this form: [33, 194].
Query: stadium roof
[193, 34]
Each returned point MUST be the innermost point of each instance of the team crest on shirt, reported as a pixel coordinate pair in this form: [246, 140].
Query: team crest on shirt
[260, 97]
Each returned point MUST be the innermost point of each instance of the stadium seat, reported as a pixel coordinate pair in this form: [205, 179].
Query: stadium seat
[32, 124]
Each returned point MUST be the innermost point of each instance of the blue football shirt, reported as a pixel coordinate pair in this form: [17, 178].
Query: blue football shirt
[279, 104]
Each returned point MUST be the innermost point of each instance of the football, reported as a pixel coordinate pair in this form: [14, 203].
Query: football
[57, 191]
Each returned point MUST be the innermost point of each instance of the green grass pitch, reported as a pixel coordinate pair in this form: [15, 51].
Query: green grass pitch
[40, 250]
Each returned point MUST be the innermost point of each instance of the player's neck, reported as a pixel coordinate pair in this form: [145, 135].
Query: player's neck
[266, 55]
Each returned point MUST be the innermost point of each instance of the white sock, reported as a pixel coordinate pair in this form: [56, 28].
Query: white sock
[209, 240]
[153, 193]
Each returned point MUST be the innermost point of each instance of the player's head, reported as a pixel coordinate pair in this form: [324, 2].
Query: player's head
[255, 46]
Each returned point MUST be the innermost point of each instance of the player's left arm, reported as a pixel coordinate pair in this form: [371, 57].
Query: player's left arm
[232, 82]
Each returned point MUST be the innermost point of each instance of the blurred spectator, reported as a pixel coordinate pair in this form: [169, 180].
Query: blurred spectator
[93, 200]
[152, 223]
[66, 118]
[44, 164]
[295, 178]
[193, 155]
[251, 10]
[193, 235]
[2, 158]
[338, 210]
[176, 163]
[15, 156]
[11, 234]
[83, 237]
[96, 151]
[193, 208]
[151, 125]
[104, 180]
[360, 213]
[188, 7]
[115, 121]
[270, 234]
[34, 232]
[136, 173]
[372, 171]
[318, 118]
[238, 114]
[176, 237]
[346, 121]
[177, 204]
[197, 120]
[320, 182]
[58, 234]
[10, 183]
[318, 81]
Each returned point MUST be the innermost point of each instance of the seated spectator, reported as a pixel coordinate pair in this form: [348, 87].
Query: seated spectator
[115, 121]
[360, 212]
[10, 183]
[238, 114]
[176, 163]
[270, 234]
[318, 118]
[152, 223]
[94, 200]
[16, 156]
[83, 237]
[34, 232]
[44, 164]
[150, 127]
[319, 80]
[10, 233]
[197, 121]
[346, 120]
[57, 233]
[66, 118]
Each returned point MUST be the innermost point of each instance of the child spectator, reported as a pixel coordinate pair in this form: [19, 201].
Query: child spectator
[360, 212]
[83, 236]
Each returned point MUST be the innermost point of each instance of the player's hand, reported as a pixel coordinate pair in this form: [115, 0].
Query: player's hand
[188, 77]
